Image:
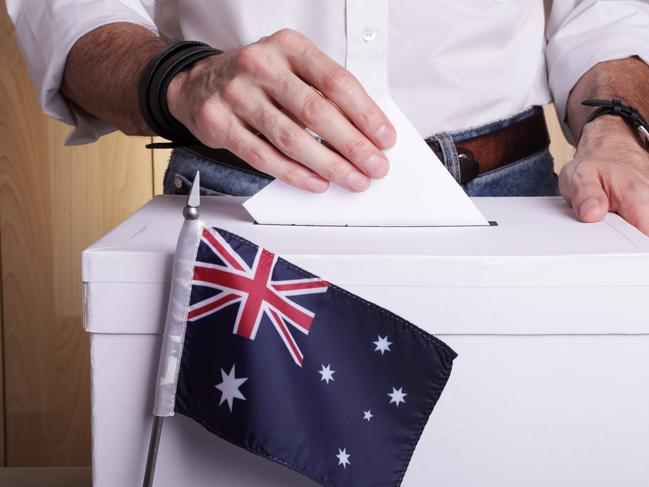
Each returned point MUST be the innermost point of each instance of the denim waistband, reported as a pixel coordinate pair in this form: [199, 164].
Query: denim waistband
[447, 140]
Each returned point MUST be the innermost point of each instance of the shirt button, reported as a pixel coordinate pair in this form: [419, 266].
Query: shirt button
[368, 34]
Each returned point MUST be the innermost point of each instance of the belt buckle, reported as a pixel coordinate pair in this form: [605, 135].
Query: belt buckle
[469, 166]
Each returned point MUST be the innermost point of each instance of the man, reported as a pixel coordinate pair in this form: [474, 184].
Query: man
[468, 74]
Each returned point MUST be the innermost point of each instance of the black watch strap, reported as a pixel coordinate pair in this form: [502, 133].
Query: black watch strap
[617, 108]
[154, 82]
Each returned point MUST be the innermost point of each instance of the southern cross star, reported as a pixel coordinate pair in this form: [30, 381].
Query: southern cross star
[397, 396]
[367, 415]
[326, 373]
[229, 387]
[382, 344]
[343, 457]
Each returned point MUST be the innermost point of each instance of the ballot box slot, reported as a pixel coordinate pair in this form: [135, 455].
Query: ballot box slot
[491, 224]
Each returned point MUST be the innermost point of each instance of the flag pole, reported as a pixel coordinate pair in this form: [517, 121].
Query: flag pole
[152, 455]
[191, 211]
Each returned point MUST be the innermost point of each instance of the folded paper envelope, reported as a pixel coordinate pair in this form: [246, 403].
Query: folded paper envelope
[417, 191]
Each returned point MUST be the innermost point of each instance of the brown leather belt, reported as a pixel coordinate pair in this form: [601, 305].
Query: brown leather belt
[477, 155]
[500, 147]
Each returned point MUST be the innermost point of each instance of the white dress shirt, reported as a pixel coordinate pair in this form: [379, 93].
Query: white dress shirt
[450, 64]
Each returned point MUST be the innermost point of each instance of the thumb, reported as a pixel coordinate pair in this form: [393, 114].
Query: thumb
[587, 197]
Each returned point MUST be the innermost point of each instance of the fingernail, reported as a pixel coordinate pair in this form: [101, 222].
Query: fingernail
[316, 185]
[588, 206]
[357, 182]
[384, 136]
[376, 166]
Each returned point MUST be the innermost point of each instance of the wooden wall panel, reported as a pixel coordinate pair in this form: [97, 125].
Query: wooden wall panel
[160, 160]
[561, 150]
[54, 201]
[3, 461]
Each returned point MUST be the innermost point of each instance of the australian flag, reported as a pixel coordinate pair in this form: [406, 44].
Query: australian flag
[302, 372]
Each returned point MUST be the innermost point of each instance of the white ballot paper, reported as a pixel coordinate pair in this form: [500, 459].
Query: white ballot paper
[417, 191]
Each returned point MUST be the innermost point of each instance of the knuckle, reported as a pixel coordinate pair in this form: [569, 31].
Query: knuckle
[355, 149]
[585, 191]
[207, 124]
[334, 169]
[314, 109]
[250, 59]
[369, 119]
[236, 145]
[337, 80]
[233, 92]
[567, 168]
[256, 159]
[287, 139]
[581, 173]
[287, 37]
[267, 121]
[291, 175]
[227, 135]
[203, 114]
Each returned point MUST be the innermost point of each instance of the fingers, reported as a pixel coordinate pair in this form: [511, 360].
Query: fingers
[246, 145]
[339, 86]
[594, 188]
[320, 115]
[260, 88]
[582, 188]
[294, 142]
[590, 202]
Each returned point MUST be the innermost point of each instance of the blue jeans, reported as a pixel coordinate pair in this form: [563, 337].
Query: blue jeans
[531, 176]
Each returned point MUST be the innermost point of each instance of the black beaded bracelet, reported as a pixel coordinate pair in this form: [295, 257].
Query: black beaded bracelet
[617, 108]
[154, 82]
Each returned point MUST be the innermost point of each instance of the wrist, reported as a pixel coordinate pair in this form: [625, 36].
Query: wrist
[181, 88]
[610, 140]
[607, 128]
[174, 94]
[612, 112]
[154, 85]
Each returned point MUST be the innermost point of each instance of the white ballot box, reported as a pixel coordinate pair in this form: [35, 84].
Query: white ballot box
[548, 316]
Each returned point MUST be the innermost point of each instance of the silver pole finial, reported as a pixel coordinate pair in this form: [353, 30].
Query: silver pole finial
[192, 209]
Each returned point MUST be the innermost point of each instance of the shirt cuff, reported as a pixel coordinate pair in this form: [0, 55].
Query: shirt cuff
[46, 39]
[575, 49]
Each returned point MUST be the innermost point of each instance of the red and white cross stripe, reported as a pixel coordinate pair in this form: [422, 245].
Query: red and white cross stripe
[255, 292]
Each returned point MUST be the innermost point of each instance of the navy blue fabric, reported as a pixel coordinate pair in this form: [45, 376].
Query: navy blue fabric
[289, 414]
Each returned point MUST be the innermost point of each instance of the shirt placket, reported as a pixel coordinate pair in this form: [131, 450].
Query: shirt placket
[367, 43]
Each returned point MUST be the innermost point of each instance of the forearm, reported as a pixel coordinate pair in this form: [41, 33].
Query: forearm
[102, 73]
[624, 79]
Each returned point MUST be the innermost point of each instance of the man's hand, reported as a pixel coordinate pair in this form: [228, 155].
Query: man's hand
[276, 87]
[610, 172]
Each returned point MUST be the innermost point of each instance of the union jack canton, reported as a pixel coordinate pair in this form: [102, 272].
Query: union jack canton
[252, 287]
